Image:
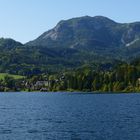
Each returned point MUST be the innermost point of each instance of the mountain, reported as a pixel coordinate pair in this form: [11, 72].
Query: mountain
[17, 58]
[98, 42]
[89, 33]
[8, 44]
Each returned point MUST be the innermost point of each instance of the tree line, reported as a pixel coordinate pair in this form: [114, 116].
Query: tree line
[123, 78]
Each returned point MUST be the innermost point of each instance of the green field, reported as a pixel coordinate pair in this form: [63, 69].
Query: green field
[2, 75]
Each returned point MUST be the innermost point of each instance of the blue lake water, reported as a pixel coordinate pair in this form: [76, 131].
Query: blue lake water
[64, 116]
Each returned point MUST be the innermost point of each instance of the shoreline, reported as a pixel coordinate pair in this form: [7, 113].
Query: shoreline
[70, 92]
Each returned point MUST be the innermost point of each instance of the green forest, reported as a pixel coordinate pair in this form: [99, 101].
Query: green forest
[123, 77]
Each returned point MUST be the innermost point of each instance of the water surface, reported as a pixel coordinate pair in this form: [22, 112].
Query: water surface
[63, 116]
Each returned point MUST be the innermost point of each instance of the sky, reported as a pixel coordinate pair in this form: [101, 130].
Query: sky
[25, 20]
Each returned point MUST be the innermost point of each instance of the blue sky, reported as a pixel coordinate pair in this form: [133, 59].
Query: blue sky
[24, 20]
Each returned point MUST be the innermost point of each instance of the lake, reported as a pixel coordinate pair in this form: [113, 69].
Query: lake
[69, 116]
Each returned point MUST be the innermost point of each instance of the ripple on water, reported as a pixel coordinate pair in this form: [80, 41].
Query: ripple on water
[69, 117]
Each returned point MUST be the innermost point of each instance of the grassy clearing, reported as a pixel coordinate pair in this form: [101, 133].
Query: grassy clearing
[2, 75]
